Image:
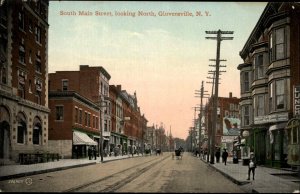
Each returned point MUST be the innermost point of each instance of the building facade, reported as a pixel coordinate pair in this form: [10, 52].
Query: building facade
[228, 122]
[73, 124]
[23, 78]
[91, 83]
[268, 75]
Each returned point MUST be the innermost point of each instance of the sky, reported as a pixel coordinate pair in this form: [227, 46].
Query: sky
[163, 58]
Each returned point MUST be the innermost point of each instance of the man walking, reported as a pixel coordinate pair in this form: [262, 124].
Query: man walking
[224, 156]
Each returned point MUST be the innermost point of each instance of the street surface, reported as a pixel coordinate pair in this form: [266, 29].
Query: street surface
[140, 174]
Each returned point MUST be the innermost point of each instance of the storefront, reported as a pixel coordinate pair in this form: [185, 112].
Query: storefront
[81, 143]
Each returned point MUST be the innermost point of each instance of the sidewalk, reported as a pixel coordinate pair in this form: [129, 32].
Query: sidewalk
[267, 180]
[16, 171]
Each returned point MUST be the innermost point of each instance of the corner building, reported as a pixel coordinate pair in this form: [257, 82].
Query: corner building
[23, 78]
[268, 75]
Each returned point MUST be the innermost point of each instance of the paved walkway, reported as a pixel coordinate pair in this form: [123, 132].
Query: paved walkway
[16, 171]
[267, 180]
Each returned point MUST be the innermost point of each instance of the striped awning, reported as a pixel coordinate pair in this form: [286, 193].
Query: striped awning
[82, 139]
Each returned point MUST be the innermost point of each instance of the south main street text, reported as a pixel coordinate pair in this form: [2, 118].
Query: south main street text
[134, 14]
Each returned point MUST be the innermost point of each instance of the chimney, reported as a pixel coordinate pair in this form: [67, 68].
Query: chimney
[119, 87]
[230, 94]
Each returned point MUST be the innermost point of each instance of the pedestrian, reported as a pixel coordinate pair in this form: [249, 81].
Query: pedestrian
[218, 154]
[90, 152]
[224, 156]
[95, 153]
[251, 166]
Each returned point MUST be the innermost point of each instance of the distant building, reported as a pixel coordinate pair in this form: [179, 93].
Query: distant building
[268, 76]
[228, 121]
[23, 78]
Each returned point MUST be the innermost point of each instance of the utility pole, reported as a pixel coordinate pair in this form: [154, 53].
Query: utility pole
[219, 38]
[202, 95]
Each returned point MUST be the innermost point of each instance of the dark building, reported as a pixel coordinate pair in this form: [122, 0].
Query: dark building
[269, 74]
[23, 78]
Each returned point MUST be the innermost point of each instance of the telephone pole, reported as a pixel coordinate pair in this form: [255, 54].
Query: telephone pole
[202, 94]
[219, 38]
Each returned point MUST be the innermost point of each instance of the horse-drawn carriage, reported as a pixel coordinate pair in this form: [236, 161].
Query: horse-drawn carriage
[178, 153]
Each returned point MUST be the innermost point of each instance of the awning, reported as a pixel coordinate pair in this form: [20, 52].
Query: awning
[278, 126]
[82, 139]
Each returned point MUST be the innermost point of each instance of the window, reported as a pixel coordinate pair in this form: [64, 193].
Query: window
[270, 97]
[280, 96]
[246, 115]
[86, 119]
[38, 64]
[260, 105]
[38, 97]
[76, 115]
[3, 74]
[36, 134]
[271, 47]
[21, 85]
[22, 54]
[38, 34]
[279, 44]
[97, 123]
[80, 116]
[59, 113]
[21, 132]
[246, 82]
[65, 84]
[259, 67]
[21, 20]
[3, 17]
[105, 125]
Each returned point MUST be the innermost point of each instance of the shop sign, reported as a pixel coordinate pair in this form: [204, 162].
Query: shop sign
[296, 101]
[271, 118]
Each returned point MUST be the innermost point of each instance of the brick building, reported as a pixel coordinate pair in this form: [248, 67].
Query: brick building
[92, 84]
[228, 122]
[73, 124]
[23, 78]
[268, 76]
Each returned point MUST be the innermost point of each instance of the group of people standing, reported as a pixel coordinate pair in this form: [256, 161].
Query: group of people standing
[92, 152]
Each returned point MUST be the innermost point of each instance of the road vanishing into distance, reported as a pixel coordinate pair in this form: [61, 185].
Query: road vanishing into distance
[157, 174]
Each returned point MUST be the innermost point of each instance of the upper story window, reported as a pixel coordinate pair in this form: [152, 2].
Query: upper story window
[21, 85]
[80, 116]
[22, 54]
[245, 81]
[246, 115]
[259, 105]
[21, 20]
[65, 84]
[76, 115]
[258, 66]
[3, 17]
[38, 64]
[277, 44]
[3, 74]
[38, 34]
[59, 112]
[280, 94]
[271, 97]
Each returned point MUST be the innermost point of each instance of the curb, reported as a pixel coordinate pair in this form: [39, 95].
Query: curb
[226, 175]
[43, 171]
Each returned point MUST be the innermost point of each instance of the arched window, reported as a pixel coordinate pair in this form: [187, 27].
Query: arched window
[22, 128]
[4, 132]
[37, 131]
